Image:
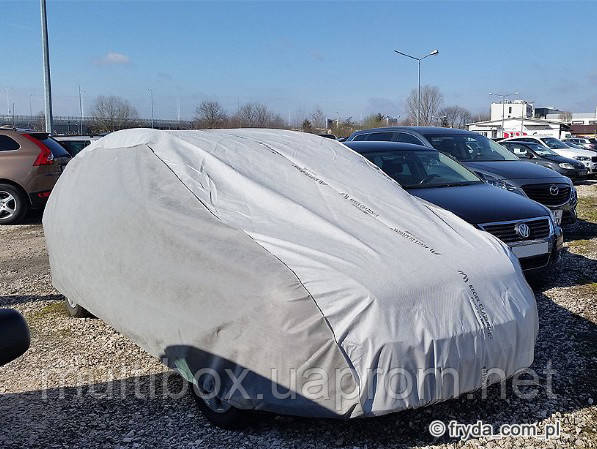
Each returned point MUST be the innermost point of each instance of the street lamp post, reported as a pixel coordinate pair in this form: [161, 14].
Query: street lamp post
[151, 95]
[503, 96]
[80, 112]
[46, 61]
[433, 53]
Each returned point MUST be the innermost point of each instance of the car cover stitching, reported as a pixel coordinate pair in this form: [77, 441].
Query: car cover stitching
[347, 359]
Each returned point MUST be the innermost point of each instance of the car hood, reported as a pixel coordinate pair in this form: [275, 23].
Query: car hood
[571, 152]
[513, 169]
[481, 203]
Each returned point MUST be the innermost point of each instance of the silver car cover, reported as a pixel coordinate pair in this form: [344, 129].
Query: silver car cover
[282, 271]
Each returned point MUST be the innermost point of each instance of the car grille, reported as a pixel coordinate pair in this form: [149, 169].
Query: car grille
[542, 194]
[506, 232]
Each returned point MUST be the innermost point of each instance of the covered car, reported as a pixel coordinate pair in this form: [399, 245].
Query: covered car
[291, 269]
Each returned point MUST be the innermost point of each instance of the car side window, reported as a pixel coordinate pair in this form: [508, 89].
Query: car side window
[361, 137]
[386, 137]
[519, 151]
[407, 138]
[8, 144]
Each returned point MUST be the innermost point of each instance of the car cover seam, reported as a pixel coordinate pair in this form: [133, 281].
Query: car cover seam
[342, 351]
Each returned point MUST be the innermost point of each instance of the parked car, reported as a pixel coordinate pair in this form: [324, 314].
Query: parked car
[588, 158]
[541, 155]
[74, 144]
[584, 142]
[30, 164]
[526, 226]
[492, 162]
[241, 281]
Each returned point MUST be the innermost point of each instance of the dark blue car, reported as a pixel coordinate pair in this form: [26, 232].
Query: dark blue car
[491, 161]
[526, 226]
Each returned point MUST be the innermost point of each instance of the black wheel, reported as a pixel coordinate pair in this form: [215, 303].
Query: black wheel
[222, 414]
[13, 204]
[76, 310]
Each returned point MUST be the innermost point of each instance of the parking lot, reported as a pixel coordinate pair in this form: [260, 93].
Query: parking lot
[83, 384]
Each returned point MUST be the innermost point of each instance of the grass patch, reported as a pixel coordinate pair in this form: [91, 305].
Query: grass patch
[581, 246]
[53, 309]
[587, 209]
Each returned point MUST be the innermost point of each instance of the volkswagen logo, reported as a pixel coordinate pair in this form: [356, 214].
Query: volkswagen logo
[554, 189]
[522, 230]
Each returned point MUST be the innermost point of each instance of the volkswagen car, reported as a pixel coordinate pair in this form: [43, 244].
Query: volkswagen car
[527, 227]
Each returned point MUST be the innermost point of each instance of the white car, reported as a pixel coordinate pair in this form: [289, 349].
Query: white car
[586, 157]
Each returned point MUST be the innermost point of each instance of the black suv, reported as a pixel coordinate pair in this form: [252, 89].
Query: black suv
[491, 161]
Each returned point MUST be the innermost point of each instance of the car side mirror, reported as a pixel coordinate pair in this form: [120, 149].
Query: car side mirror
[14, 335]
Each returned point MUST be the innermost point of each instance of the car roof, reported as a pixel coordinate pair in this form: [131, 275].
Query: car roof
[418, 129]
[76, 137]
[364, 146]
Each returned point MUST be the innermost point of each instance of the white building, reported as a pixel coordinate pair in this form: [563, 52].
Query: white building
[576, 118]
[511, 109]
[522, 126]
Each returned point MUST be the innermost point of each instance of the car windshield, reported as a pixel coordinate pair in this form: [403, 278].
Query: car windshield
[552, 142]
[470, 147]
[424, 168]
[541, 150]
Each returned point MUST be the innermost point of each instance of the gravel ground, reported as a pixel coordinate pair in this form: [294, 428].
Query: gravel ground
[83, 384]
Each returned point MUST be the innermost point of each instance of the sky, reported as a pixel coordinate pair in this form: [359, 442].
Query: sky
[295, 56]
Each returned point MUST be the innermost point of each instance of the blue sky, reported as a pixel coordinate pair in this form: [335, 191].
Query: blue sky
[293, 56]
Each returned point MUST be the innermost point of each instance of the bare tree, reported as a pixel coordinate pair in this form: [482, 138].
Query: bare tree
[344, 128]
[374, 121]
[482, 117]
[210, 114]
[455, 116]
[257, 115]
[431, 101]
[112, 113]
[318, 118]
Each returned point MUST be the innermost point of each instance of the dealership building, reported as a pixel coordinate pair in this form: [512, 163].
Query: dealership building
[521, 118]
[513, 127]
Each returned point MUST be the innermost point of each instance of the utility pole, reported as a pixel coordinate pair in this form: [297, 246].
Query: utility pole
[80, 112]
[46, 61]
[151, 95]
[30, 113]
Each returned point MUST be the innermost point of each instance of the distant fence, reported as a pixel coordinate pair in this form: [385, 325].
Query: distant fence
[72, 125]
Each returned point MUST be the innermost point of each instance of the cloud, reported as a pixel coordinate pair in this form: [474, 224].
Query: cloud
[113, 58]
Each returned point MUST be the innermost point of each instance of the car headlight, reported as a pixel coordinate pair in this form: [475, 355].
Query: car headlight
[582, 158]
[503, 184]
[566, 165]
